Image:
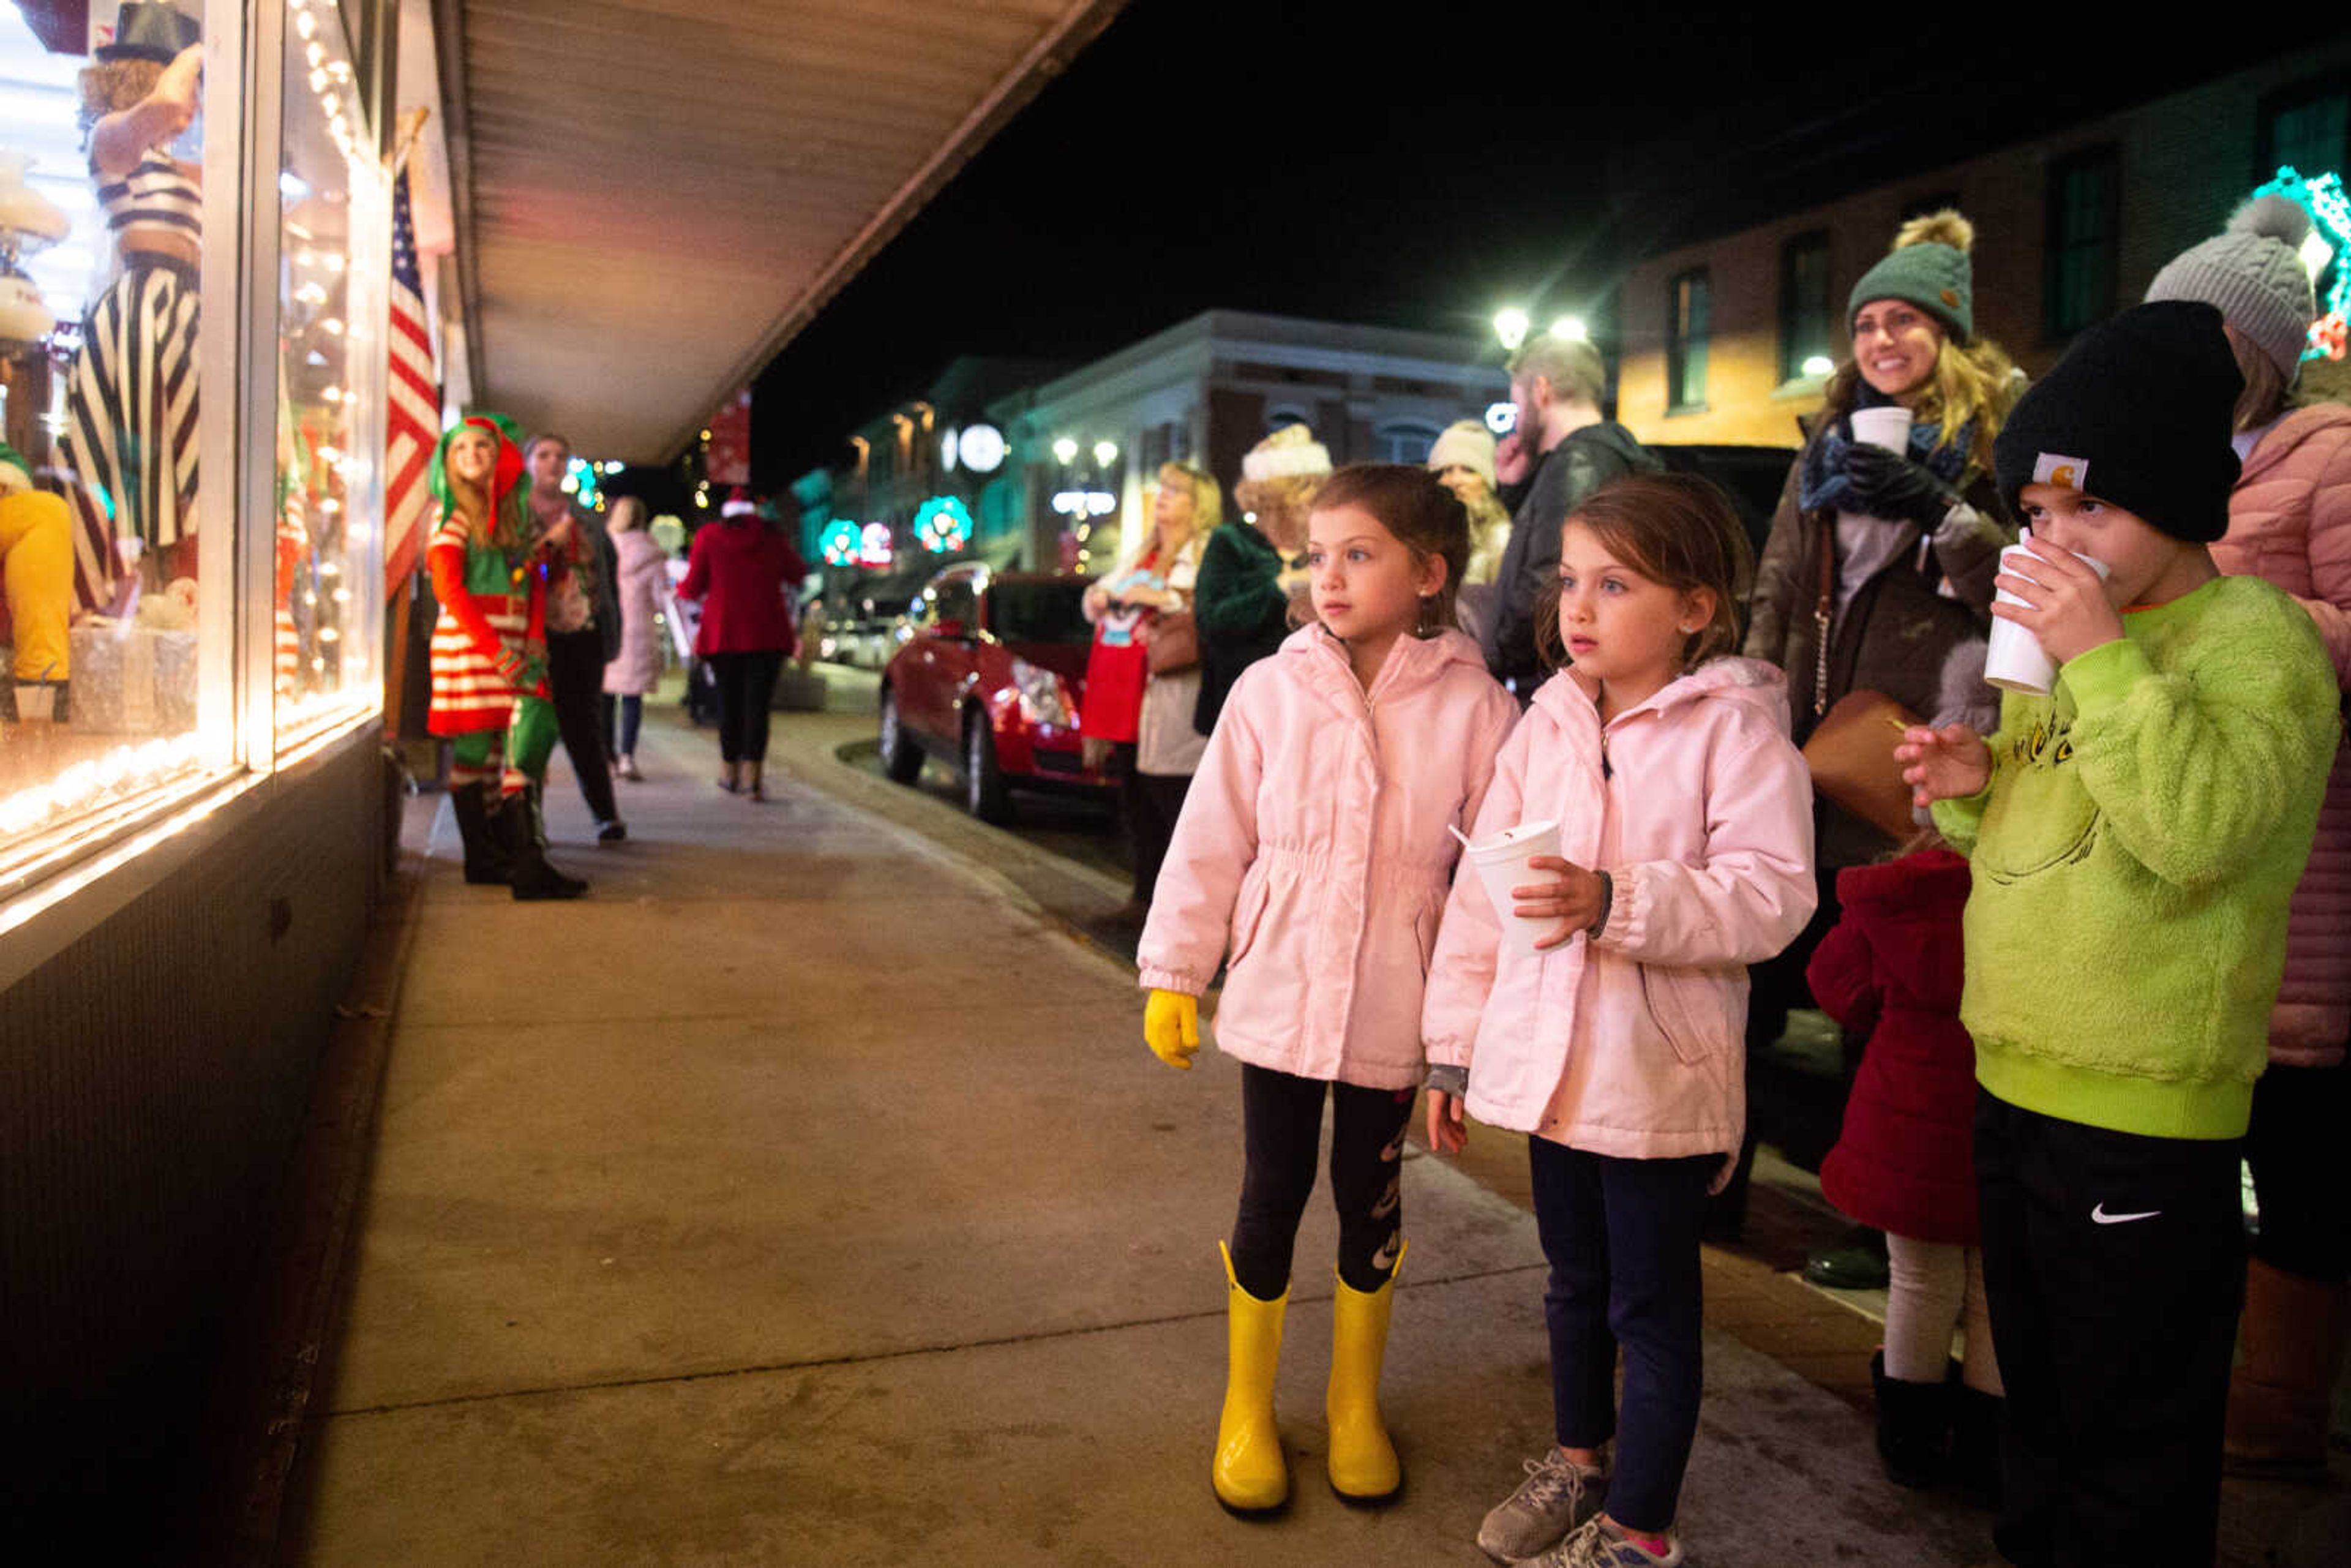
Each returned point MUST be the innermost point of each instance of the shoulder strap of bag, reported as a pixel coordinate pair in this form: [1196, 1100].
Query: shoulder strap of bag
[1823, 613]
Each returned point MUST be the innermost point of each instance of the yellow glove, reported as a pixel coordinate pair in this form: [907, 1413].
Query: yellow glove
[1170, 1026]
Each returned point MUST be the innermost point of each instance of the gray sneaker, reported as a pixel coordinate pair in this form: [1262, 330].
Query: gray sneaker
[1600, 1545]
[1557, 1496]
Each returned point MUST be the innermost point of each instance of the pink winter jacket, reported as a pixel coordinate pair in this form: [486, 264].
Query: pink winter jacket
[1631, 1044]
[2290, 522]
[1313, 838]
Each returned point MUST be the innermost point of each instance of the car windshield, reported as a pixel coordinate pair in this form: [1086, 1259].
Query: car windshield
[1038, 612]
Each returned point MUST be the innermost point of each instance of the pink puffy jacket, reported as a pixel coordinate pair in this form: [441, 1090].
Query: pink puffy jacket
[1313, 838]
[1631, 1044]
[2290, 522]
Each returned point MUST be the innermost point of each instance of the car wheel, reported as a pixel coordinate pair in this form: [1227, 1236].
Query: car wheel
[901, 760]
[984, 794]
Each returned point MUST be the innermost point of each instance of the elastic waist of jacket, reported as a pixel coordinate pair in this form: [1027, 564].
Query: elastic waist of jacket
[1429, 877]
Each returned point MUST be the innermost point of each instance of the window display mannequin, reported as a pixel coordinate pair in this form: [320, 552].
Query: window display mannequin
[489, 658]
[130, 399]
[36, 576]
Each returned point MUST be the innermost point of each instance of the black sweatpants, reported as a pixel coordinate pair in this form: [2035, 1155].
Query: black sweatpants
[2115, 1267]
[1154, 801]
[747, 683]
[2296, 1148]
[574, 680]
[1282, 1122]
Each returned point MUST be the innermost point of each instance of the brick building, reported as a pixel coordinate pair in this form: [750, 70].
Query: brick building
[2070, 227]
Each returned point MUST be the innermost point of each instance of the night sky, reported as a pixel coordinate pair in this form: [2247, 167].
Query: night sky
[1421, 168]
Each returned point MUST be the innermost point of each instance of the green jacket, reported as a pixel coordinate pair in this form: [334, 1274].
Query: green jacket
[2133, 857]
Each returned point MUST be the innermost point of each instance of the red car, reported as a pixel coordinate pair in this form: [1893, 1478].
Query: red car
[990, 681]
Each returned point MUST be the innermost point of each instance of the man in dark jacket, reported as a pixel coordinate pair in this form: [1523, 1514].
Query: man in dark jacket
[583, 627]
[1556, 385]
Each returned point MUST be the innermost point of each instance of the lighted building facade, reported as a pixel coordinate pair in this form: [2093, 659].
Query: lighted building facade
[1715, 338]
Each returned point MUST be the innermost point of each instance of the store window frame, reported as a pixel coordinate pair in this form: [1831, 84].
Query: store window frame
[1688, 335]
[2101, 252]
[242, 109]
[2302, 94]
[1395, 437]
[1795, 346]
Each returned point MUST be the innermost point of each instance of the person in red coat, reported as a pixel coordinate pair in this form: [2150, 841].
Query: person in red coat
[1890, 969]
[744, 569]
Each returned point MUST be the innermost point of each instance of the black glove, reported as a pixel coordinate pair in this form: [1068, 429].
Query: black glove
[1881, 484]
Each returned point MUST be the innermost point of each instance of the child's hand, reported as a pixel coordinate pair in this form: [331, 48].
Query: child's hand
[2064, 606]
[1946, 764]
[1572, 899]
[1448, 1131]
[1170, 1026]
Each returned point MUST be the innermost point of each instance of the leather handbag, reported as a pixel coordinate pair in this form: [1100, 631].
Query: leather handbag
[1850, 756]
[1850, 751]
[1171, 641]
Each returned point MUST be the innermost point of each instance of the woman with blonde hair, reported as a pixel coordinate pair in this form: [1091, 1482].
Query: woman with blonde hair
[1880, 562]
[1143, 678]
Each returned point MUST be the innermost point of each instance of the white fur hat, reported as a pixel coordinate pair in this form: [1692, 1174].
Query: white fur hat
[1465, 443]
[1288, 452]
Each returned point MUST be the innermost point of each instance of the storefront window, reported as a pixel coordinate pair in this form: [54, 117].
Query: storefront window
[330, 362]
[109, 521]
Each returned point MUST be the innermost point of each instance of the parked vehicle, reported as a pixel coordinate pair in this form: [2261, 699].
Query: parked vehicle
[990, 679]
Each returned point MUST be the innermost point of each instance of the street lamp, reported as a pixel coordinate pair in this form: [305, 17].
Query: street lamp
[1510, 327]
[1571, 330]
[1820, 365]
[1105, 454]
[1065, 450]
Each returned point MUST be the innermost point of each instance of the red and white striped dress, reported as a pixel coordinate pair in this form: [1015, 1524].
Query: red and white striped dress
[483, 612]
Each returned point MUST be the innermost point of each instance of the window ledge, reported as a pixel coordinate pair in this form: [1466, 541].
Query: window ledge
[1680, 410]
[1796, 389]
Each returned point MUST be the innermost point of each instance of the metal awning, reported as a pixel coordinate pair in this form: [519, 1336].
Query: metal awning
[653, 196]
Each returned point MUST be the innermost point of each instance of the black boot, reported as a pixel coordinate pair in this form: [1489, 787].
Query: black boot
[533, 879]
[1975, 1443]
[487, 860]
[1914, 1427]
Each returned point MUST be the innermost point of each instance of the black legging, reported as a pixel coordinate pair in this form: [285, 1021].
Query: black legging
[746, 683]
[623, 713]
[1154, 801]
[1281, 1120]
[575, 678]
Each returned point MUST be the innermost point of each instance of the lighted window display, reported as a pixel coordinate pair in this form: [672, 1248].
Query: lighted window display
[329, 361]
[105, 517]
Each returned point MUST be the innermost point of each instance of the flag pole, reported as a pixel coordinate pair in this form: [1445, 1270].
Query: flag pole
[395, 684]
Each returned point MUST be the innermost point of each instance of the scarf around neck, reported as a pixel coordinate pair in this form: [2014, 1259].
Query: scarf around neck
[1825, 485]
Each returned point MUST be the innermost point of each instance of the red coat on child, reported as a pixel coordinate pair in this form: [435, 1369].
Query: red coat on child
[1892, 968]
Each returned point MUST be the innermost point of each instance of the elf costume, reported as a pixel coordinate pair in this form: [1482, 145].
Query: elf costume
[489, 671]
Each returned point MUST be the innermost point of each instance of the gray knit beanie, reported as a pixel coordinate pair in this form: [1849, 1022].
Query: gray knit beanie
[2253, 274]
[1928, 268]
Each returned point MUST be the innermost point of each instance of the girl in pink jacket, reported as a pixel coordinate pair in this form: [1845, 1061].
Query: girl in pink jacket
[1685, 838]
[1315, 845]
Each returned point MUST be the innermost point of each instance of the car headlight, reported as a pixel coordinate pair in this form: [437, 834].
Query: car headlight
[1042, 701]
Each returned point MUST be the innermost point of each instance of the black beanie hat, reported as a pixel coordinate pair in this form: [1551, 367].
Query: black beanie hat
[2139, 413]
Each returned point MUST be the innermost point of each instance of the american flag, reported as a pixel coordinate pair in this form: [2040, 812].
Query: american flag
[413, 417]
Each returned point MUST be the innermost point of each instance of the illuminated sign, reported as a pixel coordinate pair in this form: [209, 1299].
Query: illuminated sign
[873, 545]
[1085, 503]
[943, 524]
[1501, 418]
[839, 542]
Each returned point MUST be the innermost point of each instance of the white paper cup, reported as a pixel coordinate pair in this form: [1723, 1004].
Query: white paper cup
[1888, 427]
[1501, 862]
[2015, 662]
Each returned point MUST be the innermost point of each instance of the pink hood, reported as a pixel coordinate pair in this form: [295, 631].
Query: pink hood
[1631, 1044]
[2290, 522]
[1313, 840]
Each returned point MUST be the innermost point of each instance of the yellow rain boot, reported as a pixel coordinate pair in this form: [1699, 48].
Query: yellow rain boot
[1250, 1473]
[1363, 1465]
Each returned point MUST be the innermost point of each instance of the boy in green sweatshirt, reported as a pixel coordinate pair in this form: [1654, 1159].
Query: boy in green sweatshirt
[2135, 836]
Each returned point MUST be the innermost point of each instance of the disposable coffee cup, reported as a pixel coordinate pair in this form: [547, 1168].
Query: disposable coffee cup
[1888, 427]
[1501, 862]
[2016, 662]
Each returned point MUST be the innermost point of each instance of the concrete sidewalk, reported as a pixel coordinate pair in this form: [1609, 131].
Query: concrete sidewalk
[804, 1195]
